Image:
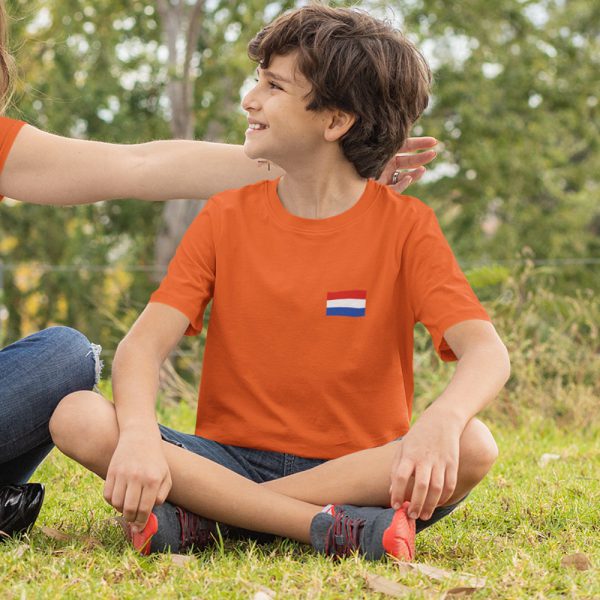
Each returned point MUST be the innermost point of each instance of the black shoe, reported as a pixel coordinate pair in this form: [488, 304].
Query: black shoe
[19, 507]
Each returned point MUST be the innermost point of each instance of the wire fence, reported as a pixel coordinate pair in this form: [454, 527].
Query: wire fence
[465, 264]
[41, 268]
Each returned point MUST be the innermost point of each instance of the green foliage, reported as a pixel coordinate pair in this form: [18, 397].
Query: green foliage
[554, 344]
[515, 104]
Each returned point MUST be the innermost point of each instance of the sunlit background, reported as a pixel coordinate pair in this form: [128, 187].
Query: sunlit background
[515, 107]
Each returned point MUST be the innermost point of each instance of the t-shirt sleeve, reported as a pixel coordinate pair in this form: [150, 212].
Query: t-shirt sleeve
[9, 128]
[438, 291]
[188, 285]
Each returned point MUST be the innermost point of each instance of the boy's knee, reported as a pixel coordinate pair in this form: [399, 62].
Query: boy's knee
[76, 420]
[479, 448]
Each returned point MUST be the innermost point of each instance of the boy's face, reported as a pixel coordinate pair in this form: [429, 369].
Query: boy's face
[280, 128]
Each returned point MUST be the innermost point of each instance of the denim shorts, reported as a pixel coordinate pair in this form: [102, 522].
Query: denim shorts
[262, 465]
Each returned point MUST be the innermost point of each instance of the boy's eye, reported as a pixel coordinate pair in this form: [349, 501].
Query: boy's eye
[274, 86]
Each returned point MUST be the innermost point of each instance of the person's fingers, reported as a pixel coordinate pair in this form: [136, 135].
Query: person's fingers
[420, 490]
[412, 161]
[400, 478]
[164, 490]
[109, 486]
[450, 480]
[118, 494]
[147, 502]
[408, 178]
[402, 184]
[417, 174]
[132, 500]
[418, 143]
[436, 485]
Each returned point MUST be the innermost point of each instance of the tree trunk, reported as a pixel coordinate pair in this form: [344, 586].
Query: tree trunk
[181, 25]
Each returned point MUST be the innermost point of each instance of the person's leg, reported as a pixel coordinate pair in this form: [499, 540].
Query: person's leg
[363, 478]
[84, 427]
[36, 373]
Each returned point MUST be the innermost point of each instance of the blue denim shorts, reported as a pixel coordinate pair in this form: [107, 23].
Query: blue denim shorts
[262, 465]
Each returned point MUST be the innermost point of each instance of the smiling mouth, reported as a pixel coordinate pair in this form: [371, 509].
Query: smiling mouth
[257, 126]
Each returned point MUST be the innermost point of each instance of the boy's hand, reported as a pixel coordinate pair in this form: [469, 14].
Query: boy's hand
[138, 478]
[408, 168]
[429, 453]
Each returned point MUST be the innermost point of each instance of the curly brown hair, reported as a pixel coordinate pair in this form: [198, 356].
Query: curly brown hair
[358, 64]
[6, 61]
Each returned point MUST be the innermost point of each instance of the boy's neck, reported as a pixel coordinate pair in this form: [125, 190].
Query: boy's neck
[322, 189]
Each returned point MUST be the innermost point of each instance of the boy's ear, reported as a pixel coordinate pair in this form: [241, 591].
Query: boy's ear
[338, 124]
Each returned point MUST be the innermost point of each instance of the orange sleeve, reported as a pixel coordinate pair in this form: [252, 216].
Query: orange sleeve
[188, 285]
[439, 293]
[9, 128]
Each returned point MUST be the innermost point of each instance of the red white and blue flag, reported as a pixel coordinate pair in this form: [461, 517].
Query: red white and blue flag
[350, 303]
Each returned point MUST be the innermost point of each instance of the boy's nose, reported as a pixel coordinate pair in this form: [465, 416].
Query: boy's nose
[250, 100]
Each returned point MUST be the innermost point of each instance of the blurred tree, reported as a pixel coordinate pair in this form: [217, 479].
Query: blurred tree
[118, 71]
[207, 66]
[87, 69]
[515, 103]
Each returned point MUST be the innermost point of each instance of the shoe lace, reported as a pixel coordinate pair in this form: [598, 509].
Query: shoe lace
[195, 530]
[343, 537]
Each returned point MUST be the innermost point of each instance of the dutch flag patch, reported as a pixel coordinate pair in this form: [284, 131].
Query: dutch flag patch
[350, 303]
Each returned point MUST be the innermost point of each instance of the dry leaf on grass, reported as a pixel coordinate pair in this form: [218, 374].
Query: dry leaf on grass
[380, 584]
[546, 458]
[468, 580]
[21, 549]
[460, 591]
[260, 595]
[266, 593]
[56, 534]
[431, 572]
[61, 536]
[577, 561]
[181, 560]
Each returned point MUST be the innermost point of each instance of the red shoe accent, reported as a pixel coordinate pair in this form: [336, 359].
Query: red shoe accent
[399, 538]
[141, 541]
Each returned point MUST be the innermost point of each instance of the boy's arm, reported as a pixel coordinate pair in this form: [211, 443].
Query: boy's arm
[138, 475]
[48, 169]
[429, 451]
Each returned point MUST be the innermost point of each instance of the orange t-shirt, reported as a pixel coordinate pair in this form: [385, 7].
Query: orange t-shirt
[310, 341]
[8, 132]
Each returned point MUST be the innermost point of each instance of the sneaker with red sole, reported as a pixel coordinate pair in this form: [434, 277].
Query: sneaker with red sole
[369, 531]
[172, 528]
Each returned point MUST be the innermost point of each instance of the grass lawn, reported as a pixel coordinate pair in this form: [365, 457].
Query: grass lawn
[514, 531]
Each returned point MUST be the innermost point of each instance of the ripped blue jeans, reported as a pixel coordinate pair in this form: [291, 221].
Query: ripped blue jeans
[35, 374]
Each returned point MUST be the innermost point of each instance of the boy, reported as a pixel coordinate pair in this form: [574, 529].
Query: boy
[317, 281]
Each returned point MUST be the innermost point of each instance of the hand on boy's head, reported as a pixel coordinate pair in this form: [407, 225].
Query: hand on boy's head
[407, 166]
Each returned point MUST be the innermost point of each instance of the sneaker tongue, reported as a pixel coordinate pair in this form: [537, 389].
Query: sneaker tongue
[329, 510]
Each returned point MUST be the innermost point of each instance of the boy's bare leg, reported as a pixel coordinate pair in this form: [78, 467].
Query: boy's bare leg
[84, 427]
[363, 478]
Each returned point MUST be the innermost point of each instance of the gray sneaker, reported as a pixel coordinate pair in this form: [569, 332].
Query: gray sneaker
[369, 531]
[173, 528]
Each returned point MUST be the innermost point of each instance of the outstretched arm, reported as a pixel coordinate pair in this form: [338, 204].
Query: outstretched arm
[48, 169]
